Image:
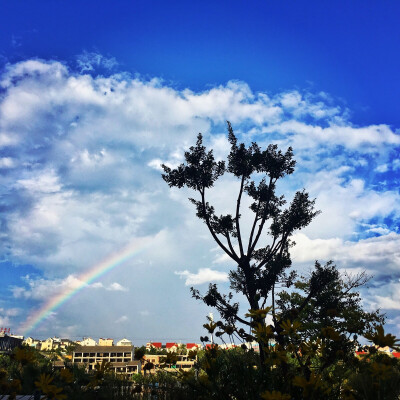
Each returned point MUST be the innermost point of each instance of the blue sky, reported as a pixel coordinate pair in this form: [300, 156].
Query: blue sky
[95, 95]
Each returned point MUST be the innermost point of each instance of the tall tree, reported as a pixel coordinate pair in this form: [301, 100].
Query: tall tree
[263, 257]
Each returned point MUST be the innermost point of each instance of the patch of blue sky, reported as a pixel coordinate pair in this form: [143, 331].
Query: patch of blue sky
[14, 274]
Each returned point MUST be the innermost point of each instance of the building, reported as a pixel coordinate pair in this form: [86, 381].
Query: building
[193, 346]
[120, 357]
[152, 363]
[154, 345]
[124, 342]
[9, 343]
[50, 344]
[106, 342]
[87, 342]
[171, 347]
[31, 342]
[66, 343]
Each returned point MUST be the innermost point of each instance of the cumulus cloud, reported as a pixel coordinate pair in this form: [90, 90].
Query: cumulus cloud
[386, 296]
[369, 254]
[115, 286]
[7, 162]
[43, 289]
[204, 275]
[7, 316]
[80, 155]
[122, 319]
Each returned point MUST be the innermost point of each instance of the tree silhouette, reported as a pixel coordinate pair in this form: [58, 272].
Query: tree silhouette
[320, 313]
[260, 263]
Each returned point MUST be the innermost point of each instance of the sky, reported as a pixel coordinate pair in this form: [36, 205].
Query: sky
[94, 96]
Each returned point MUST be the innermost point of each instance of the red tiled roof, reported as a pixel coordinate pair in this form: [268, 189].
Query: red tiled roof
[169, 345]
[191, 345]
[396, 354]
[158, 345]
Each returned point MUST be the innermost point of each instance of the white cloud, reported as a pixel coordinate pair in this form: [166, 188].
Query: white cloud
[368, 139]
[370, 254]
[301, 105]
[156, 164]
[7, 162]
[204, 275]
[117, 287]
[385, 297]
[7, 317]
[379, 230]
[122, 319]
[89, 61]
[46, 182]
[41, 289]
[82, 154]
[382, 168]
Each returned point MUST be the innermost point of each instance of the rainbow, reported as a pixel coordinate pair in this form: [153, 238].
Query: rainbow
[85, 279]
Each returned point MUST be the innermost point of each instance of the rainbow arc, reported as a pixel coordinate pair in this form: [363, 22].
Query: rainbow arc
[86, 278]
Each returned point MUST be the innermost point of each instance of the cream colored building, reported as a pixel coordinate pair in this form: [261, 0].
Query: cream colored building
[124, 342]
[31, 342]
[182, 363]
[88, 342]
[106, 342]
[50, 344]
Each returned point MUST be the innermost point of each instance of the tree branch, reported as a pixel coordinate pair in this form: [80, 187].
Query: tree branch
[215, 237]
[237, 217]
[230, 245]
[253, 228]
[261, 227]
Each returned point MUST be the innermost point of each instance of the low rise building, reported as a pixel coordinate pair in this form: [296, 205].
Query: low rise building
[50, 344]
[152, 362]
[106, 342]
[66, 342]
[87, 341]
[124, 342]
[120, 357]
[31, 342]
[9, 343]
[193, 346]
[153, 345]
[171, 347]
